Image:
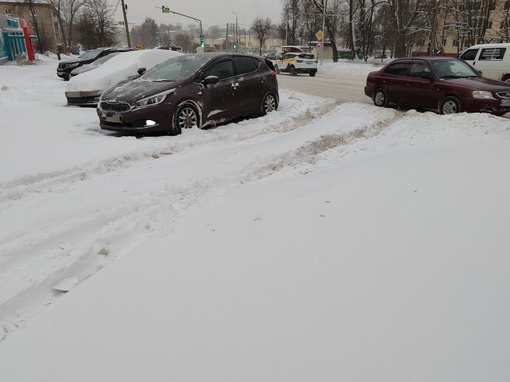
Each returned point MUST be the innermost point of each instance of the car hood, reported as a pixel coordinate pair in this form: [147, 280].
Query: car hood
[64, 63]
[482, 83]
[134, 91]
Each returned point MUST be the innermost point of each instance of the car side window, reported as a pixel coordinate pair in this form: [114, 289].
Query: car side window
[398, 69]
[419, 69]
[492, 54]
[222, 70]
[245, 65]
[469, 55]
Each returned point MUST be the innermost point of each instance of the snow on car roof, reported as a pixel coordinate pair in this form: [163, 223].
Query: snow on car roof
[118, 69]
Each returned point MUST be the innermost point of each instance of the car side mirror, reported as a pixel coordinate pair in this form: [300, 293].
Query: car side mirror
[141, 71]
[427, 76]
[210, 80]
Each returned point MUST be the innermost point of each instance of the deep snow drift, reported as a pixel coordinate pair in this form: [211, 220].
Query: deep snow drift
[320, 242]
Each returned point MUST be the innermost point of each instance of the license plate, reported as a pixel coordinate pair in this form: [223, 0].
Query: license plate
[505, 102]
[112, 117]
[309, 63]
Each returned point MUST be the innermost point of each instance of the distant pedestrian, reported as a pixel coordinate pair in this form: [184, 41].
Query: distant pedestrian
[59, 51]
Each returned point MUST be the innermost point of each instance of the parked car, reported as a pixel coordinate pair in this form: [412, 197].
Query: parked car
[295, 62]
[65, 67]
[86, 89]
[441, 84]
[491, 60]
[92, 65]
[188, 91]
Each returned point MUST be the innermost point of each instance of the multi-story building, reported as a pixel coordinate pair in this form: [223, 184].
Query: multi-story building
[457, 24]
[42, 18]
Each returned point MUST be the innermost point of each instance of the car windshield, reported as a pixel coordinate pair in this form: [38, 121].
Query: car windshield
[448, 69]
[91, 53]
[175, 69]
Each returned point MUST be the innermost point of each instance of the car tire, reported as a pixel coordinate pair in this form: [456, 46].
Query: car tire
[66, 76]
[506, 78]
[185, 117]
[380, 98]
[312, 74]
[293, 71]
[269, 103]
[450, 105]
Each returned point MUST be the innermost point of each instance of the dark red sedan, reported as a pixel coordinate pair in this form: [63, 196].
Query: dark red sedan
[442, 84]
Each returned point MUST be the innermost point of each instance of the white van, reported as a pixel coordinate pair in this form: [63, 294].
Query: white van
[492, 60]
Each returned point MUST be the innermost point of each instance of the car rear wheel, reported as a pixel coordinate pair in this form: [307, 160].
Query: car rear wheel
[185, 117]
[269, 103]
[312, 74]
[380, 98]
[506, 78]
[450, 105]
[293, 71]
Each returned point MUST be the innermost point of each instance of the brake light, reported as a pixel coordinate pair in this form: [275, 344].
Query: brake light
[273, 73]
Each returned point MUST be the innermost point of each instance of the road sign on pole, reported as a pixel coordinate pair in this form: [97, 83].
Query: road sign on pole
[165, 9]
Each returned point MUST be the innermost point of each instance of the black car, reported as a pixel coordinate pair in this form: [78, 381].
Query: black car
[191, 90]
[66, 67]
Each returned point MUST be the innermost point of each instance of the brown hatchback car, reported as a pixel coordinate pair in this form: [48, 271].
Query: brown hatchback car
[441, 84]
[191, 90]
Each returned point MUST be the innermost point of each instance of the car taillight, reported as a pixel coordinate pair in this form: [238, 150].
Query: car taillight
[273, 73]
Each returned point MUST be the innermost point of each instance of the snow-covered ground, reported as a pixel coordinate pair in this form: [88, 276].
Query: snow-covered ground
[313, 244]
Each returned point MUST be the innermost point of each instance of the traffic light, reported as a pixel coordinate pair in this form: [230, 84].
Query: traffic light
[165, 9]
[202, 44]
[235, 45]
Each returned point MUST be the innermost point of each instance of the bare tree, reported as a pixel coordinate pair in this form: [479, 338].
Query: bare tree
[96, 25]
[262, 29]
[67, 12]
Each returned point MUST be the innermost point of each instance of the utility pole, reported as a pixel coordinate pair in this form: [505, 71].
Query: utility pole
[126, 25]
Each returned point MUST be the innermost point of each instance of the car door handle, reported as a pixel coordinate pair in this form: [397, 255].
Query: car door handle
[235, 85]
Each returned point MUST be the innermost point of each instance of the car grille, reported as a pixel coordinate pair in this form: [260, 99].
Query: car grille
[118, 107]
[504, 94]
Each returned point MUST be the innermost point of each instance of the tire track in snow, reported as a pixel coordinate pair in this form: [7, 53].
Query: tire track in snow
[83, 241]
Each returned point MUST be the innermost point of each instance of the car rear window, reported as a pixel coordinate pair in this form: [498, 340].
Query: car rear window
[492, 54]
[308, 56]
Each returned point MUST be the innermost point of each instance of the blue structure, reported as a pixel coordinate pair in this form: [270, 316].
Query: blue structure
[13, 39]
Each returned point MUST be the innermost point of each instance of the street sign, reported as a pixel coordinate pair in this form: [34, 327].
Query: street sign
[165, 9]
[319, 35]
[201, 37]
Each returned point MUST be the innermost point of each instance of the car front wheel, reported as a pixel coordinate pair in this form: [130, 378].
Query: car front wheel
[312, 74]
[269, 103]
[380, 98]
[185, 117]
[450, 105]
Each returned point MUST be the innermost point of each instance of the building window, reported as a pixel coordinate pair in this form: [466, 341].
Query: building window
[8, 11]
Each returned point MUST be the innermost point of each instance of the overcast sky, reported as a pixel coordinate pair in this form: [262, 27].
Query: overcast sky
[209, 12]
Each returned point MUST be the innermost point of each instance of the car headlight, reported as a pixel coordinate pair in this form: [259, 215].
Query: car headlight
[153, 100]
[479, 94]
[73, 65]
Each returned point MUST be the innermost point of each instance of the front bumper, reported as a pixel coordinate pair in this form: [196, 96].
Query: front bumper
[77, 98]
[144, 120]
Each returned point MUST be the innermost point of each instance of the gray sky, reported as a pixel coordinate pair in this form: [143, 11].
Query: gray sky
[208, 11]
